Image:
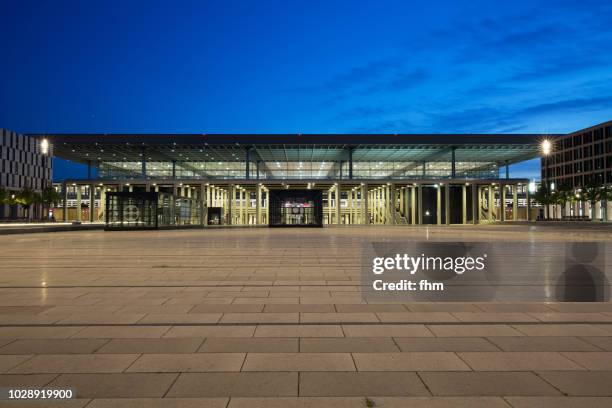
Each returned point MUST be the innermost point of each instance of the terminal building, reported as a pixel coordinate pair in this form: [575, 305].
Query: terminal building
[578, 160]
[154, 180]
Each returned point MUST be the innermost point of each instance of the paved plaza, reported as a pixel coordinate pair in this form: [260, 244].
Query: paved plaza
[258, 317]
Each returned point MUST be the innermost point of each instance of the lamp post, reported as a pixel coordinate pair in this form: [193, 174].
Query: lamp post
[546, 149]
[44, 150]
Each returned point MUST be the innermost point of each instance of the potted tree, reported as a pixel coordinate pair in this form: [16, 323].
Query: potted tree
[592, 192]
[49, 197]
[544, 197]
[25, 198]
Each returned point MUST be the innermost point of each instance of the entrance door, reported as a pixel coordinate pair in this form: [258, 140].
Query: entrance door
[294, 208]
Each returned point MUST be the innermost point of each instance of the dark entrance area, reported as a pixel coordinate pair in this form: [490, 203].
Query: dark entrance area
[296, 208]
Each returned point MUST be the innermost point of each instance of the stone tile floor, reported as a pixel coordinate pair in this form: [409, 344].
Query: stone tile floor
[274, 318]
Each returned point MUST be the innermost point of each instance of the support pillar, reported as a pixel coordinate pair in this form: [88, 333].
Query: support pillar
[420, 204]
[102, 214]
[204, 203]
[365, 216]
[478, 202]
[92, 202]
[503, 202]
[78, 203]
[258, 220]
[413, 209]
[439, 204]
[65, 202]
[447, 203]
[491, 202]
[350, 206]
[528, 204]
[515, 202]
[338, 209]
[464, 204]
[597, 211]
[231, 204]
[391, 204]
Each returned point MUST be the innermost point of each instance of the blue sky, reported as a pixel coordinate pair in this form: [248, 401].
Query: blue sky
[305, 67]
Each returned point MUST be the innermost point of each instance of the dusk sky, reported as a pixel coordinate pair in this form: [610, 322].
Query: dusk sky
[305, 67]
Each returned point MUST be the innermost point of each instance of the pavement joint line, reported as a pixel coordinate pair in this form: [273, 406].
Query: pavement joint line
[349, 323]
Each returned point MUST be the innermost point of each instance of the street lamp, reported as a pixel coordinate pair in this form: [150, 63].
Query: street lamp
[546, 149]
[44, 150]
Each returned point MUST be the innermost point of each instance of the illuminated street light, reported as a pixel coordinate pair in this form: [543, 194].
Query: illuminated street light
[546, 147]
[44, 146]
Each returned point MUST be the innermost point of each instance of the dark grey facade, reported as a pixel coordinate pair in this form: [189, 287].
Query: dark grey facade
[580, 158]
[22, 164]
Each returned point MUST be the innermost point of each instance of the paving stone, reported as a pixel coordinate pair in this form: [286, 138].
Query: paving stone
[386, 330]
[340, 384]
[601, 360]
[9, 361]
[38, 332]
[588, 383]
[53, 346]
[71, 403]
[372, 308]
[409, 361]
[525, 343]
[250, 345]
[25, 380]
[513, 307]
[441, 307]
[604, 343]
[260, 318]
[210, 331]
[235, 385]
[102, 318]
[439, 402]
[200, 362]
[120, 385]
[487, 383]
[298, 362]
[473, 330]
[151, 346]
[338, 318]
[221, 308]
[572, 317]
[347, 345]
[76, 363]
[560, 402]
[299, 331]
[293, 308]
[444, 344]
[159, 403]
[550, 330]
[183, 318]
[416, 317]
[495, 317]
[297, 402]
[121, 332]
[517, 361]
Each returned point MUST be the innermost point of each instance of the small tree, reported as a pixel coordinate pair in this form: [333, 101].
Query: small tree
[565, 195]
[544, 197]
[25, 198]
[4, 196]
[49, 197]
[592, 192]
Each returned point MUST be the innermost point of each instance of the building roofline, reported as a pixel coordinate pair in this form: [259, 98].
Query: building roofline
[268, 139]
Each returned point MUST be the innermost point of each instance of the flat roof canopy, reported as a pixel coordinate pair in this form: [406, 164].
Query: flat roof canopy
[498, 148]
